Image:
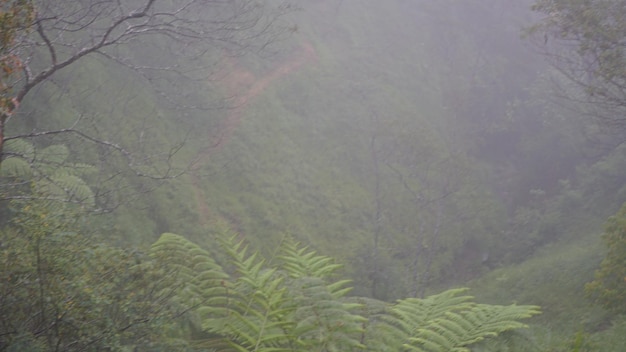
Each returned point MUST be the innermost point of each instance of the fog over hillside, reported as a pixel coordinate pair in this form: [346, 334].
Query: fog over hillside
[203, 175]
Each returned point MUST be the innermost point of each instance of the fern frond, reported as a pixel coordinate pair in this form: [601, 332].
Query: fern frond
[299, 262]
[20, 155]
[50, 176]
[20, 148]
[447, 322]
[66, 188]
[337, 289]
[324, 322]
[284, 309]
[258, 313]
[80, 169]
[203, 282]
[75, 188]
[412, 313]
[54, 154]
[15, 167]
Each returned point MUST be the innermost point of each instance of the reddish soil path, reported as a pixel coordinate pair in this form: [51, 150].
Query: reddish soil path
[244, 86]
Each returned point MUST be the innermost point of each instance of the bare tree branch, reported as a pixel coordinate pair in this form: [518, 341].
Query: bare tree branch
[188, 35]
[585, 42]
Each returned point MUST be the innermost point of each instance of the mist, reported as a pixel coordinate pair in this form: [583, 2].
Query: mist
[204, 175]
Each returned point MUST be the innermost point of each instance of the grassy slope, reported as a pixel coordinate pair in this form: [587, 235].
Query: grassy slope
[554, 278]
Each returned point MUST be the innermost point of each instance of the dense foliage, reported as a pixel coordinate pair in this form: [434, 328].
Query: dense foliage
[609, 286]
[15, 16]
[62, 291]
[415, 141]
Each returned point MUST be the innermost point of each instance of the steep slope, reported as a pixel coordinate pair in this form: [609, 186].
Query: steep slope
[294, 152]
[244, 87]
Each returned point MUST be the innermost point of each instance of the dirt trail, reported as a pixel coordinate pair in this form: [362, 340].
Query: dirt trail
[244, 86]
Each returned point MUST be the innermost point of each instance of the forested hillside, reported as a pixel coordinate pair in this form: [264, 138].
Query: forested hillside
[424, 145]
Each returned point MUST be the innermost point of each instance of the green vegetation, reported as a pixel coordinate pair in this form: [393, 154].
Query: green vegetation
[421, 144]
[64, 291]
[592, 57]
[15, 15]
[609, 285]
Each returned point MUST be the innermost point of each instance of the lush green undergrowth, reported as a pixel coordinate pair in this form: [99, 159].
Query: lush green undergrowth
[554, 278]
[408, 182]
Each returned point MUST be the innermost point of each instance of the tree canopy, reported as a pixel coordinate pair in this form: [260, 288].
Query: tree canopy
[41, 39]
[585, 40]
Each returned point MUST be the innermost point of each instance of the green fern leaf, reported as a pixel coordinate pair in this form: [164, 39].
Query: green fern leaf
[54, 154]
[284, 308]
[15, 167]
[413, 313]
[203, 282]
[80, 169]
[455, 330]
[324, 320]
[20, 148]
[66, 188]
[447, 321]
[257, 312]
[20, 155]
[298, 262]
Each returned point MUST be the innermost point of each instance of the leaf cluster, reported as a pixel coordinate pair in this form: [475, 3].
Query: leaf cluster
[63, 291]
[45, 172]
[15, 16]
[295, 304]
